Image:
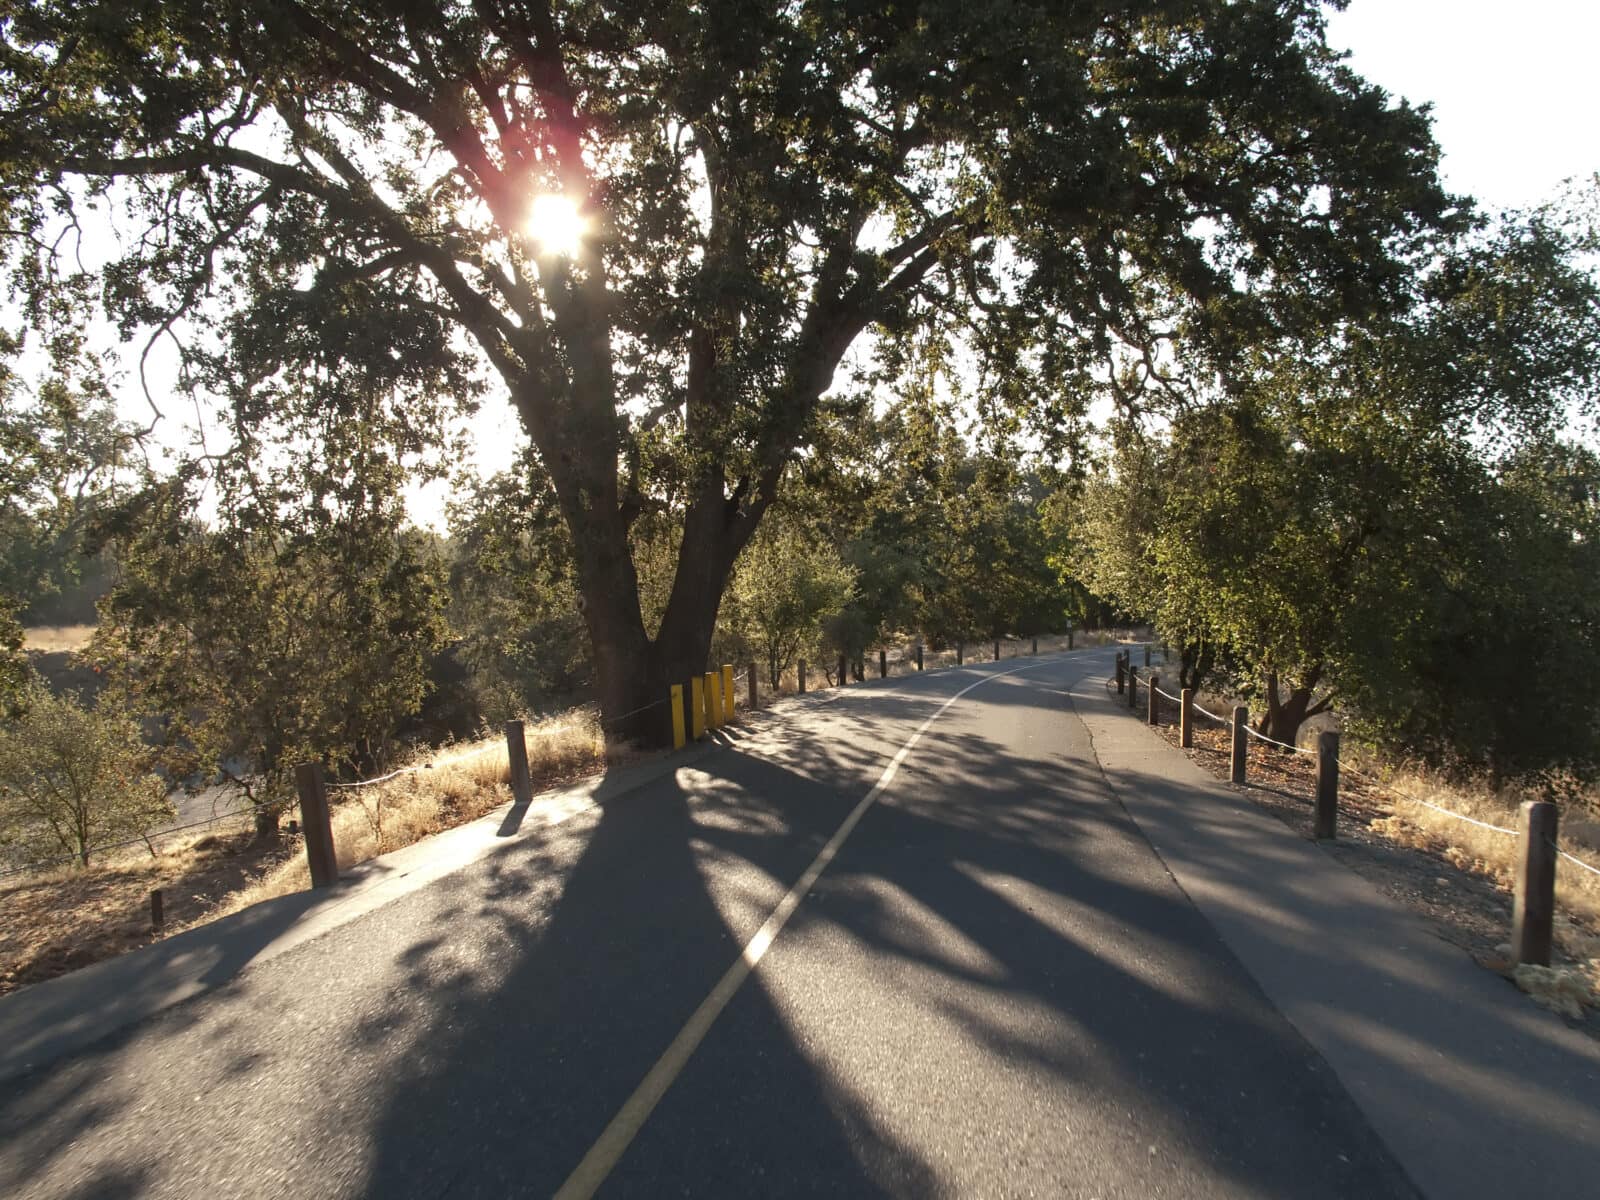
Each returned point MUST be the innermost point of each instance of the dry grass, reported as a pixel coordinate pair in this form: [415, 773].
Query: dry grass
[49, 639]
[1493, 855]
[1485, 851]
[1385, 804]
[453, 786]
[55, 922]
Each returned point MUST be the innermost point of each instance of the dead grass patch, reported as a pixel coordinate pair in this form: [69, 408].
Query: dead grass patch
[57, 921]
[450, 787]
[50, 639]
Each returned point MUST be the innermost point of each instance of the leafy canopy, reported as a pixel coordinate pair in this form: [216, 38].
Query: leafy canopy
[338, 194]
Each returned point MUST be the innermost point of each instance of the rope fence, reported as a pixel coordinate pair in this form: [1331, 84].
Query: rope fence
[1275, 742]
[142, 840]
[1575, 860]
[413, 770]
[1532, 933]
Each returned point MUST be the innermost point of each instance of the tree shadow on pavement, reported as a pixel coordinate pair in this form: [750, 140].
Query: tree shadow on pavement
[1027, 915]
[994, 949]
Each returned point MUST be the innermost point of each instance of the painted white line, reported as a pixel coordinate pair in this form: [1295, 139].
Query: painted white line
[589, 1174]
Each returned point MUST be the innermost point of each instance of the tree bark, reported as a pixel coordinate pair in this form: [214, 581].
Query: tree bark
[1285, 714]
[1195, 663]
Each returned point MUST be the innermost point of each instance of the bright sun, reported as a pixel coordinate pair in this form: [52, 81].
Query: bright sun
[556, 224]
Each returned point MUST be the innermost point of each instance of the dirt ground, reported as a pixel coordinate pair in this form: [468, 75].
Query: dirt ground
[1467, 902]
[54, 923]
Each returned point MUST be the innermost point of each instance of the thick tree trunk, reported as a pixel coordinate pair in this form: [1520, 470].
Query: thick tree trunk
[1285, 714]
[634, 675]
[1195, 663]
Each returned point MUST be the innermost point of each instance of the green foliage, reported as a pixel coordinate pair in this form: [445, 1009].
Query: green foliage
[328, 194]
[1393, 522]
[785, 587]
[73, 778]
[513, 602]
[948, 539]
[61, 454]
[273, 635]
[1499, 667]
[13, 662]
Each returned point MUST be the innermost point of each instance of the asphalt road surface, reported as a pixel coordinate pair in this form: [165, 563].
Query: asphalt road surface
[989, 986]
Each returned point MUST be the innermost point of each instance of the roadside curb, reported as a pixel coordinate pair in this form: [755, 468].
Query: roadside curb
[54, 1018]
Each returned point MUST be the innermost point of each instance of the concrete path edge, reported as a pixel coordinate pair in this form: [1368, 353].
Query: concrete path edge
[1475, 1090]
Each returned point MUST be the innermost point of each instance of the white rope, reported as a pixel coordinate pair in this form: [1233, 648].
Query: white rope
[1574, 859]
[1169, 696]
[427, 766]
[142, 840]
[635, 712]
[1389, 787]
[1276, 742]
[1206, 712]
[361, 783]
[1456, 815]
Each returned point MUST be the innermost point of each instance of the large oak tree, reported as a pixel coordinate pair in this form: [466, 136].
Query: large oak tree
[326, 189]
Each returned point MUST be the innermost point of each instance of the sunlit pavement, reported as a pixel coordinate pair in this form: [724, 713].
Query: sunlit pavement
[995, 987]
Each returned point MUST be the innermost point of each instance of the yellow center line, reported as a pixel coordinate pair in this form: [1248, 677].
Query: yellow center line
[614, 1141]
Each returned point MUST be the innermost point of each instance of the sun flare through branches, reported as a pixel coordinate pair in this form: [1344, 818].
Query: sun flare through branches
[556, 224]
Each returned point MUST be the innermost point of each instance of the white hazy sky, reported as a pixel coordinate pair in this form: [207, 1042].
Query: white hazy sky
[1514, 86]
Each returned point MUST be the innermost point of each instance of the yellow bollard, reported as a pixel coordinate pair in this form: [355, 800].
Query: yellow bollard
[713, 700]
[727, 691]
[677, 716]
[697, 708]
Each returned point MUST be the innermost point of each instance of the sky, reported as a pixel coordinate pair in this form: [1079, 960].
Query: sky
[1514, 86]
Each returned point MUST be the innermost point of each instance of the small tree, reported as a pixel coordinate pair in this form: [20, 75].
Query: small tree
[74, 778]
[271, 639]
[786, 586]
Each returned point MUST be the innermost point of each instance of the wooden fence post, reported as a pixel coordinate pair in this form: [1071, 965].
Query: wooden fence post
[1155, 700]
[1533, 906]
[1122, 674]
[1069, 638]
[1035, 649]
[1133, 688]
[678, 737]
[754, 698]
[883, 664]
[1241, 723]
[919, 656]
[843, 667]
[1186, 718]
[517, 757]
[316, 824]
[997, 652]
[158, 916]
[727, 691]
[800, 677]
[1327, 819]
[697, 707]
[1147, 654]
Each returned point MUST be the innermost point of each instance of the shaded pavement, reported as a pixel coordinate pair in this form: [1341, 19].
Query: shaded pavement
[996, 988]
